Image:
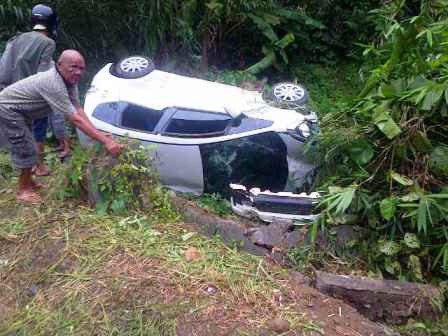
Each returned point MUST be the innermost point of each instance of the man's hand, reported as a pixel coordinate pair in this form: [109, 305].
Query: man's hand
[113, 147]
[80, 120]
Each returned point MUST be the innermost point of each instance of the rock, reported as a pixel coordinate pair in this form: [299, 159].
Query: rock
[211, 290]
[299, 279]
[381, 300]
[232, 232]
[192, 254]
[278, 325]
[296, 238]
[274, 234]
[209, 224]
[345, 234]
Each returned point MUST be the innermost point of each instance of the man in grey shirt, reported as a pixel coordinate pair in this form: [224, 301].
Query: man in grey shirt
[27, 54]
[53, 91]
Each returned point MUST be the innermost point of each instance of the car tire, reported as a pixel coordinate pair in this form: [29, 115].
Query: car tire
[132, 67]
[289, 93]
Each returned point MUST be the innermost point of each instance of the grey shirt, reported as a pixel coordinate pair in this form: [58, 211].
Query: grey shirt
[34, 96]
[25, 55]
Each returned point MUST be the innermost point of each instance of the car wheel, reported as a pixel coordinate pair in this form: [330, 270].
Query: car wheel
[132, 67]
[290, 93]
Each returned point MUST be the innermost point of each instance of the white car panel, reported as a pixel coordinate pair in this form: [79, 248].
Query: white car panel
[180, 167]
[188, 92]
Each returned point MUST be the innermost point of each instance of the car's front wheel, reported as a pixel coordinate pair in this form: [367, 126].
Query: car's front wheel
[132, 67]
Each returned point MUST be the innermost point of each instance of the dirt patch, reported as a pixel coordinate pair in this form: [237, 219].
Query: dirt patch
[7, 301]
[129, 281]
[336, 317]
[61, 265]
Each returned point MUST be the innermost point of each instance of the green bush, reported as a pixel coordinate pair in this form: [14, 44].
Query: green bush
[386, 152]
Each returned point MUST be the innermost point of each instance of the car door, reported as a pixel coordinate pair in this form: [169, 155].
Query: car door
[187, 170]
[255, 160]
[179, 164]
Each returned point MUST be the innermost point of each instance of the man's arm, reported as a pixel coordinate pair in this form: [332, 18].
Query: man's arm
[81, 111]
[74, 97]
[6, 65]
[80, 120]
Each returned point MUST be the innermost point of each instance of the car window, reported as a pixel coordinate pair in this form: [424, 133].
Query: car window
[195, 123]
[245, 124]
[139, 118]
[107, 112]
[259, 160]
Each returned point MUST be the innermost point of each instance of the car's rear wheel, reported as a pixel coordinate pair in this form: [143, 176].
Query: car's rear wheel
[132, 67]
[290, 93]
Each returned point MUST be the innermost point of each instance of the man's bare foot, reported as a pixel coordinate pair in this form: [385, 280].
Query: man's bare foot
[28, 196]
[64, 153]
[41, 170]
[36, 185]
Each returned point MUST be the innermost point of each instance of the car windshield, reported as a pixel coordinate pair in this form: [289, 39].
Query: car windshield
[128, 115]
[139, 117]
[176, 121]
[195, 123]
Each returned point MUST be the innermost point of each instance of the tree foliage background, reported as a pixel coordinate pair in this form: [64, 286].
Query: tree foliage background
[386, 155]
[205, 32]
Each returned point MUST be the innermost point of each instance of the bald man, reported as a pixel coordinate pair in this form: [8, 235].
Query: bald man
[53, 91]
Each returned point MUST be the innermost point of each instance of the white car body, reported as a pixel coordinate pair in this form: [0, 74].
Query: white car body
[180, 157]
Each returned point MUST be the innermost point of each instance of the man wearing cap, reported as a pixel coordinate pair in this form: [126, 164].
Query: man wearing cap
[54, 91]
[27, 54]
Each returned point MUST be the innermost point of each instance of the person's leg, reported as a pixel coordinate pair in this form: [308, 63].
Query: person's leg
[24, 157]
[64, 145]
[26, 191]
[40, 132]
[57, 121]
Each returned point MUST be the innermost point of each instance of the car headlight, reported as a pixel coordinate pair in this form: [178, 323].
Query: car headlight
[302, 132]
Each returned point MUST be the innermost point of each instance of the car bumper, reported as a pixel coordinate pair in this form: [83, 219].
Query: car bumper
[269, 206]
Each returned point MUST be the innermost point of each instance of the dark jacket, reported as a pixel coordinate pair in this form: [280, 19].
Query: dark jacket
[25, 55]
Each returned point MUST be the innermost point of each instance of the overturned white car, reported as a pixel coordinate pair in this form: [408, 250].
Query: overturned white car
[208, 134]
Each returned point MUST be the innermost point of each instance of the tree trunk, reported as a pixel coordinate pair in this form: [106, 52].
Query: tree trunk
[204, 51]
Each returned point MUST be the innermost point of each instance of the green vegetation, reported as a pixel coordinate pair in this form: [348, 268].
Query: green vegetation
[378, 79]
[385, 154]
[429, 328]
[198, 34]
[117, 185]
[68, 270]
[214, 203]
